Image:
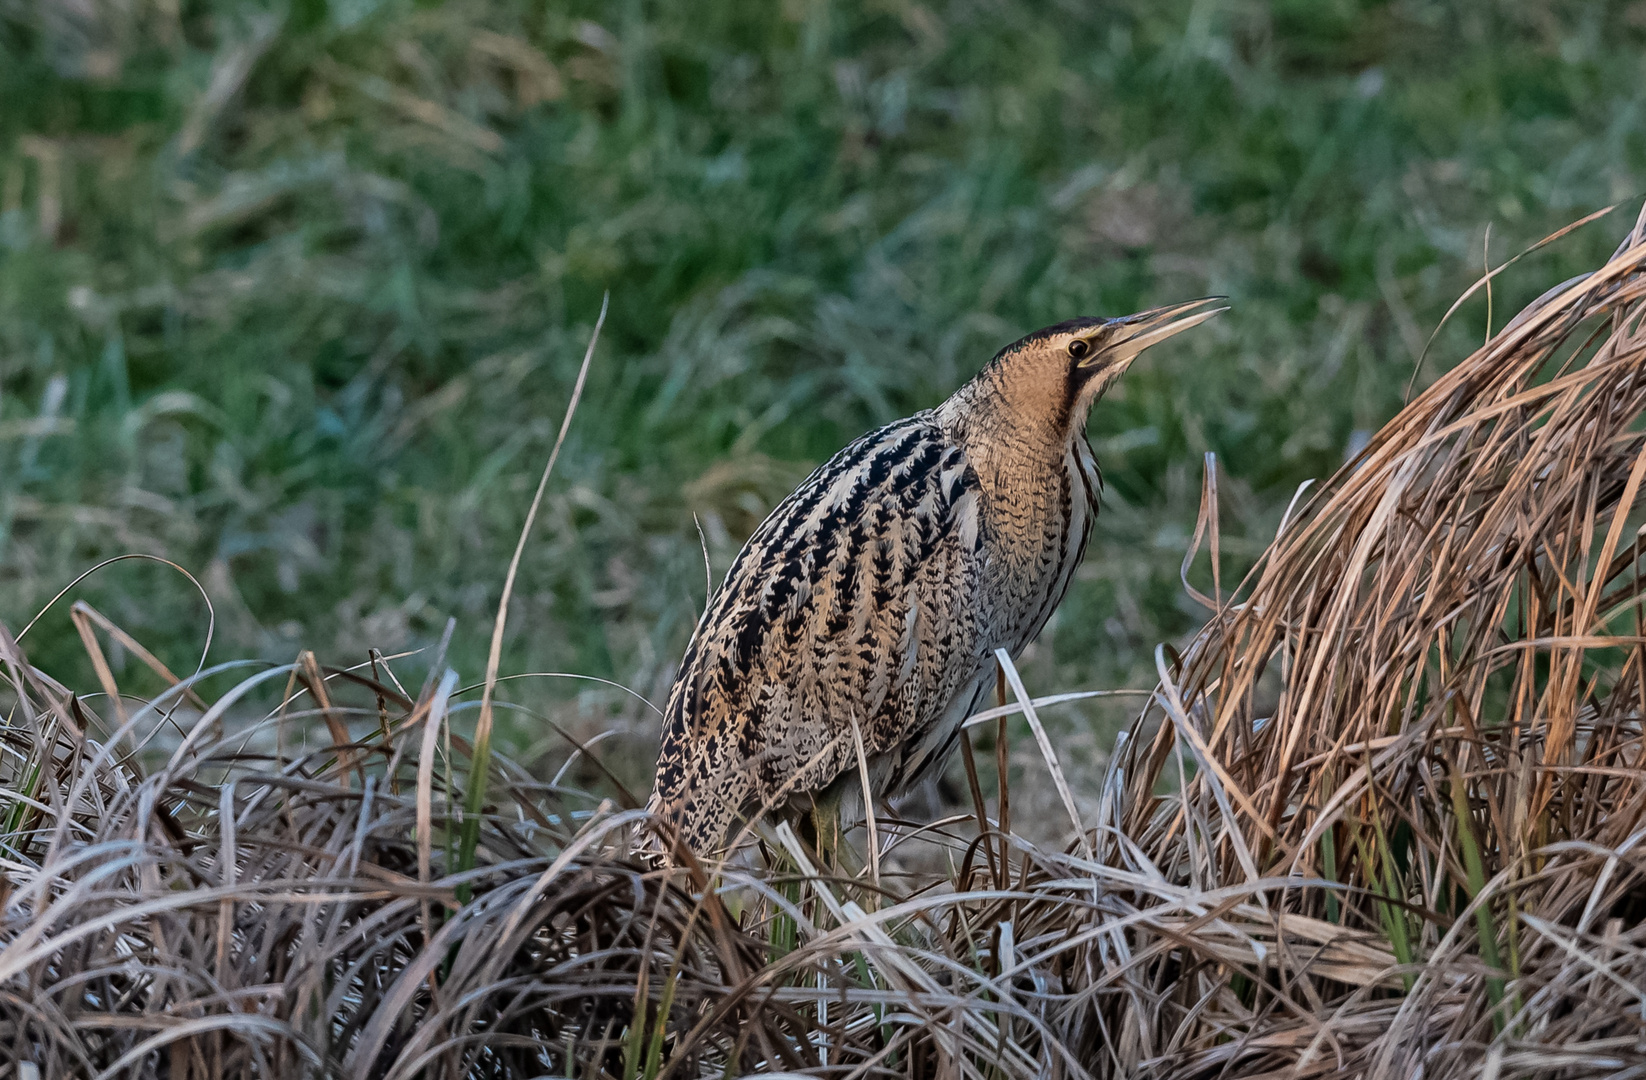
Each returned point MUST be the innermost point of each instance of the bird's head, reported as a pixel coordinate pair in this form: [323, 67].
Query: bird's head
[1052, 376]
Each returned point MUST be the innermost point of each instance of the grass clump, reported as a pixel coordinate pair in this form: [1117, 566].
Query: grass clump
[1419, 723]
[253, 909]
[1382, 816]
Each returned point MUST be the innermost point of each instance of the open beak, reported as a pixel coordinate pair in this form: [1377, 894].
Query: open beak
[1134, 333]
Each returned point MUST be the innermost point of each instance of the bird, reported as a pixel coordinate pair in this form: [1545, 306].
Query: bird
[856, 628]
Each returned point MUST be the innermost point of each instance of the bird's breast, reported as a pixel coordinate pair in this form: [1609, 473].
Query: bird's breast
[1039, 511]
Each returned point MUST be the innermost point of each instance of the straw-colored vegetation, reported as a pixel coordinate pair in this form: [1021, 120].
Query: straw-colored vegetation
[1430, 694]
[1383, 816]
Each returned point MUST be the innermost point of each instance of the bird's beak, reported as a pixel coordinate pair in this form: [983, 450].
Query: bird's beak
[1131, 335]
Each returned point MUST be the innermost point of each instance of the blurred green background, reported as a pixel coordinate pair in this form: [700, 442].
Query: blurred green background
[294, 294]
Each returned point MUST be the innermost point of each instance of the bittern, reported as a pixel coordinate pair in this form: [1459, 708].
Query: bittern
[866, 609]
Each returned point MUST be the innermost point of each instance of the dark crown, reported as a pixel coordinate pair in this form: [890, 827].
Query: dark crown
[1067, 326]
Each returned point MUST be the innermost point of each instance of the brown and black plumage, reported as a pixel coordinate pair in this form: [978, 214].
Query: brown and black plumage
[874, 596]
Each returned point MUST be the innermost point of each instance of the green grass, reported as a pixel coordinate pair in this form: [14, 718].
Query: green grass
[311, 337]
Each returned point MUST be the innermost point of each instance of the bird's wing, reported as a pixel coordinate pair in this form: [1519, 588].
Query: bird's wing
[855, 601]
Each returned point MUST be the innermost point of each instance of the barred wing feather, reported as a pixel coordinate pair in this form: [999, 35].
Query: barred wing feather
[853, 602]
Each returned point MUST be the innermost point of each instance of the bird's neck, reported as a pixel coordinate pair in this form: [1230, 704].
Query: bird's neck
[1023, 465]
[1008, 445]
[1037, 501]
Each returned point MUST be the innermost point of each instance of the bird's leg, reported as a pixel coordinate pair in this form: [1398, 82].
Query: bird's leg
[833, 850]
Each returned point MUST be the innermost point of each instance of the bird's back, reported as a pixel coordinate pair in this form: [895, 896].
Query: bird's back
[853, 604]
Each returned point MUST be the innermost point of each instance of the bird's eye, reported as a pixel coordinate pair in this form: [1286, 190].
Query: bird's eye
[1079, 348]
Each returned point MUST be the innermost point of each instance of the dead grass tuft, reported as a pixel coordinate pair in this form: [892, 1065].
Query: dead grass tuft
[1413, 738]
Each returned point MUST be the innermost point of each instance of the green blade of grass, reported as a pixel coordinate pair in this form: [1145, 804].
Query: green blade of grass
[475, 788]
[1474, 868]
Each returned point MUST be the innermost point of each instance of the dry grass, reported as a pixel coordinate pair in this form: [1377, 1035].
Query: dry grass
[1382, 817]
[249, 908]
[1431, 693]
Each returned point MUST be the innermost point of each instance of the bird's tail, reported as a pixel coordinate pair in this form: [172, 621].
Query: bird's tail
[662, 830]
[696, 820]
